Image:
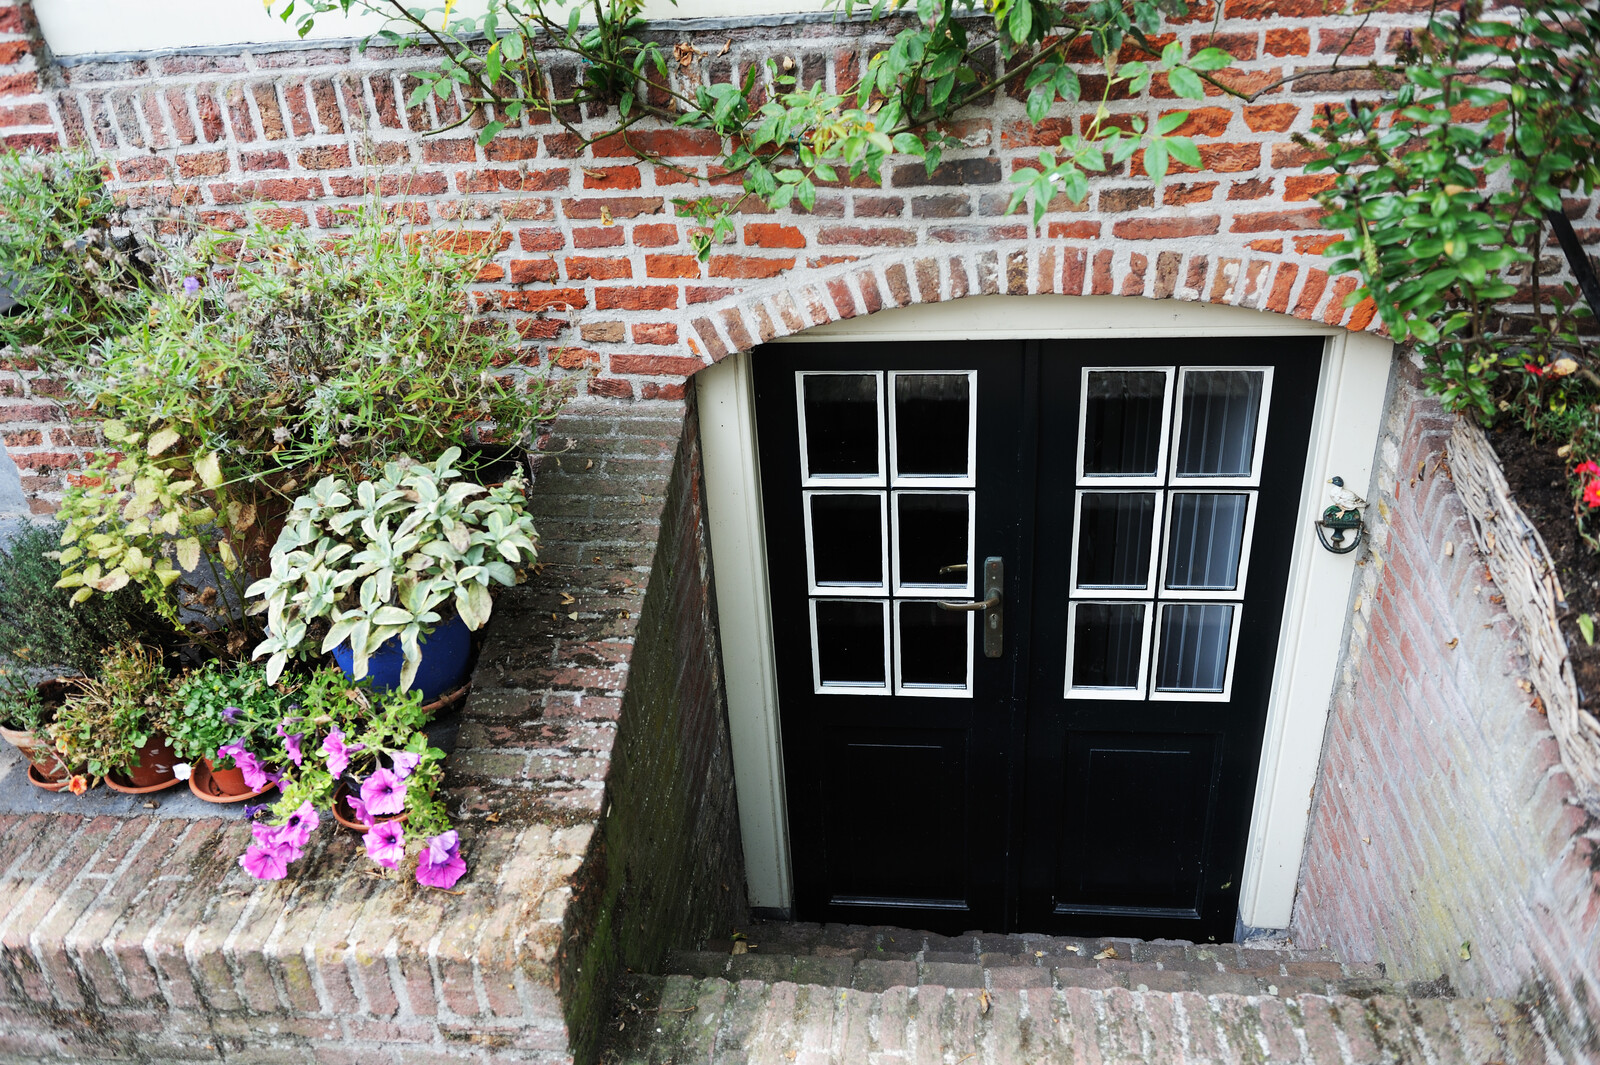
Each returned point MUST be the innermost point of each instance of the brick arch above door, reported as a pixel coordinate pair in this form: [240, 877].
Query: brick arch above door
[802, 300]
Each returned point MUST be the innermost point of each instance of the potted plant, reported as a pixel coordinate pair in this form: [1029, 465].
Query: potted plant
[392, 575]
[361, 755]
[221, 721]
[26, 712]
[111, 726]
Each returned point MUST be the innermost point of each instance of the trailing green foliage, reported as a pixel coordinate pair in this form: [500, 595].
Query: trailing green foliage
[781, 139]
[78, 276]
[40, 627]
[218, 704]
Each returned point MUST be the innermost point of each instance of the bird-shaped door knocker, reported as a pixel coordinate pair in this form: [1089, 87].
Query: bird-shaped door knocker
[1342, 517]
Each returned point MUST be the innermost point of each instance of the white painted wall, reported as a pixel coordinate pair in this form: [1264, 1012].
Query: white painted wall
[1355, 376]
[99, 27]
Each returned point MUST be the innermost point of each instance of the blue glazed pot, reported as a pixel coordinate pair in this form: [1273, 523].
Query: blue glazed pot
[446, 652]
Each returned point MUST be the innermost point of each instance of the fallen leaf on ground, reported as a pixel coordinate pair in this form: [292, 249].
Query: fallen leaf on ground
[1109, 952]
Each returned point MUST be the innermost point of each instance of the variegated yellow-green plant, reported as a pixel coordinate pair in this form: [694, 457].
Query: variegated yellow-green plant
[389, 558]
[146, 515]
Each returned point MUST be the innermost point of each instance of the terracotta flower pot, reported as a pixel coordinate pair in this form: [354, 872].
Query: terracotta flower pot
[153, 772]
[347, 817]
[221, 785]
[38, 751]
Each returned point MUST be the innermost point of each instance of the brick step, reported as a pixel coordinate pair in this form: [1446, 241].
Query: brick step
[875, 959]
[713, 1021]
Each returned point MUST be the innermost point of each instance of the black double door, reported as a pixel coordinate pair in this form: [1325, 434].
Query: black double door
[1078, 753]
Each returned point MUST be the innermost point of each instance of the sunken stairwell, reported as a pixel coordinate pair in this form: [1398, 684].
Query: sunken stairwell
[808, 994]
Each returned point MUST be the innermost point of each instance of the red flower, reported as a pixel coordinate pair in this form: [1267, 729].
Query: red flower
[1537, 371]
[1587, 469]
[78, 785]
[1591, 493]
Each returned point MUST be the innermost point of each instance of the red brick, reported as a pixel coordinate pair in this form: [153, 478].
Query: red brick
[450, 150]
[748, 266]
[1349, 41]
[667, 143]
[1073, 231]
[509, 149]
[661, 390]
[1315, 245]
[655, 365]
[268, 189]
[611, 177]
[1282, 286]
[143, 168]
[636, 298]
[584, 268]
[1100, 279]
[1311, 294]
[1166, 228]
[671, 266]
[545, 299]
[26, 84]
[1275, 221]
[529, 271]
[569, 358]
[202, 164]
[1271, 118]
[655, 333]
[1288, 42]
[1203, 122]
[610, 387]
[1180, 193]
[773, 235]
[1272, 247]
[867, 236]
[25, 115]
[263, 161]
[541, 239]
[1239, 45]
[330, 157]
[281, 217]
[615, 206]
[601, 237]
[656, 235]
[1305, 186]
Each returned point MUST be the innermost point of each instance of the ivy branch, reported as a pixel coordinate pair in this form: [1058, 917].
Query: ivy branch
[567, 59]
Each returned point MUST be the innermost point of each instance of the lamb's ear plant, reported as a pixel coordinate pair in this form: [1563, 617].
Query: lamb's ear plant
[390, 558]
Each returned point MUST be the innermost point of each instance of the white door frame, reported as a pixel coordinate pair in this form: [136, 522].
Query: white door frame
[1344, 435]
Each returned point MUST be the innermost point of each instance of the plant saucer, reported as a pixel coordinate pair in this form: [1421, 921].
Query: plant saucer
[38, 780]
[129, 789]
[205, 788]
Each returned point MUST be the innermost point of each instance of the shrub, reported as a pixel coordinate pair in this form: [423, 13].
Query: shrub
[104, 725]
[39, 626]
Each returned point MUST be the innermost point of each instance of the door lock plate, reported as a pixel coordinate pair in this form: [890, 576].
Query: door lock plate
[994, 577]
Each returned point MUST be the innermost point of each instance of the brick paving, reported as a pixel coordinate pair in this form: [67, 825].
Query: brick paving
[809, 995]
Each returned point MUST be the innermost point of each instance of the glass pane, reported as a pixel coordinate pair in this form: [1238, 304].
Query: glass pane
[1123, 422]
[1206, 540]
[1220, 408]
[1107, 642]
[1194, 646]
[850, 641]
[841, 424]
[846, 538]
[933, 537]
[931, 417]
[1115, 530]
[933, 645]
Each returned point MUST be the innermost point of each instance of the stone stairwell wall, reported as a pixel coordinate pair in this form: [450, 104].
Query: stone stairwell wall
[665, 870]
[1445, 839]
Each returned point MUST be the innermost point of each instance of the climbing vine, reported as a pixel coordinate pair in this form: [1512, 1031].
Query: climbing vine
[567, 58]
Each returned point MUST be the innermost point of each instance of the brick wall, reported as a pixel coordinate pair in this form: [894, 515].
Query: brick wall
[594, 266]
[1442, 816]
[666, 870]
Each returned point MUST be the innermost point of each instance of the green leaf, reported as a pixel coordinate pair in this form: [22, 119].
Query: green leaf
[1167, 123]
[1586, 626]
[162, 440]
[1210, 59]
[511, 46]
[1021, 22]
[1155, 159]
[489, 132]
[1183, 149]
[209, 469]
[1187, 83]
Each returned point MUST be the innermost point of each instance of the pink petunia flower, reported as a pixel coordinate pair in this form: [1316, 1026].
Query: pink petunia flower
[384, 793]
[338, 752]
[386, 844]
[358, 808]
[265, 863]
[405, 763]
[440, 864]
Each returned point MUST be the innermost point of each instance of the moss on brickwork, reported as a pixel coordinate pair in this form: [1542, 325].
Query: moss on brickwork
[665, 870]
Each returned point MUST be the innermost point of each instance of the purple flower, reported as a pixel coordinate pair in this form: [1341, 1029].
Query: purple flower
[405, 763]
[265, 863]
[273, 838]
[384, 793]
[358, 808]
[338, 753]
[291, 747]
[386, 844]
[440, 864]
[191, 285]
[256, 776]
[303, 821]
[252, 810]
[230, 714]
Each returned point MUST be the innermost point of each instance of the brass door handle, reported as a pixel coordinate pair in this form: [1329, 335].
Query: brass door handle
[977, 604]
[993, 623]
